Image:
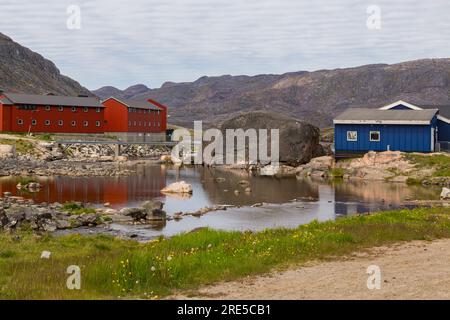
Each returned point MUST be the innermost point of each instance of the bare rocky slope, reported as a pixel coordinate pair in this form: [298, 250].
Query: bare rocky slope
[311, 96]
[25, 71]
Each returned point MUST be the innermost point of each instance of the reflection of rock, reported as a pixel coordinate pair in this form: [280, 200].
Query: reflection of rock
[179, 196]
[178, 187]
[445, 194]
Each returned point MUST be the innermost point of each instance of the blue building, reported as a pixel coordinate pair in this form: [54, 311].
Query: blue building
[399, 126]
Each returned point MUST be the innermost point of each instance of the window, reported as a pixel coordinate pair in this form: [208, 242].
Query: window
[73, 123]
[34, 122]
[140, 123]
[19, 121]
[47, 108]
[352, 135]
[85, 109]
[149, 124]
[375, 136]
[134, 124]
[97, 123]
[85, 123]
[47, 122]
[145, 123]
[74, 109]
[98, 110]
[129, 123]
[60, 108]
[159, 124]
[27, 107]
[60, 122]
[158, 111]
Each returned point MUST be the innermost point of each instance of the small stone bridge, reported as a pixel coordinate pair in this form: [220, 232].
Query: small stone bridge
[117, 146]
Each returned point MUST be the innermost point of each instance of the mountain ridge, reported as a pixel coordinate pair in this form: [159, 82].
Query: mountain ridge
[314, 96]
[25, 71]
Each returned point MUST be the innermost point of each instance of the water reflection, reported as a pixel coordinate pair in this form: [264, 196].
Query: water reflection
[315, 199]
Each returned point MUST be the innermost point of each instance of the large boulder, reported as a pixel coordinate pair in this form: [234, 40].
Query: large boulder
[178, 187]
[135, 213]
[154, 210]
[298, 140]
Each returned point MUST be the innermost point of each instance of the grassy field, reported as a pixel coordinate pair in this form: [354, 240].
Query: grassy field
[440, 162]
[113, 268]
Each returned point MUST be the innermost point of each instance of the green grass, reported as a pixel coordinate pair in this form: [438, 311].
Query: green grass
[74, 208]
[44, 137]
[337, 172]
[22, 146]
[113, 268]
[440, 162]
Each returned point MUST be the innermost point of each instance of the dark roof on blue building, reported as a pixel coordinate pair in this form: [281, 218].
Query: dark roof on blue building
[377, 116]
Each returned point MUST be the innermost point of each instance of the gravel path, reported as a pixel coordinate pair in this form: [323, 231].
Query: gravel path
[414, 270]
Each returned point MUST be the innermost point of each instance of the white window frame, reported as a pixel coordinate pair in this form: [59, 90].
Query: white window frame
[20, 122]
[60, 108]
[85, 123]
[33, 122]
[60, 123]
[47, 122]
[85, 109]
[74, 109]
[48, 108]
[373, 140]
[73, 123]
[356, 135]
[98, 110]
[97, 123]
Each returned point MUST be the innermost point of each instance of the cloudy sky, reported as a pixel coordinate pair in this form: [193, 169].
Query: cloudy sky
[124, 42]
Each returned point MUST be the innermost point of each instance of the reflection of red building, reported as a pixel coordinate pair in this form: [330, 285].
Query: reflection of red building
[49, 113]
[118, 191]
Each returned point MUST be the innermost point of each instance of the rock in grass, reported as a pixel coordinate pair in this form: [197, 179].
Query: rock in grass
[445, 194]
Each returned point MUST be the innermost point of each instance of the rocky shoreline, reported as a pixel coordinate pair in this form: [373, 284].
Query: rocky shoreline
[47, 159]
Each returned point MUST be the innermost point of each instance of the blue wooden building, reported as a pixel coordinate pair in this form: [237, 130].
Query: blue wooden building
[394, 127]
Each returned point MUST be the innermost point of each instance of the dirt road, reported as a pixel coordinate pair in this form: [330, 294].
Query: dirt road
[414, 270]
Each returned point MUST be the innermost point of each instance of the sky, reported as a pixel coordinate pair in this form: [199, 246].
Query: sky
[125, 42]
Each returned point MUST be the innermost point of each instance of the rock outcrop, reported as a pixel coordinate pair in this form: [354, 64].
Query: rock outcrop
[298, 140]
[313, 96]
[25, 71]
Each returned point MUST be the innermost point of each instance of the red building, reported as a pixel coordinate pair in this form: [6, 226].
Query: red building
[135, 119]
[50, 113]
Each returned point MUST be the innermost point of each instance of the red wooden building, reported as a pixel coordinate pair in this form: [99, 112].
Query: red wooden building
[50, 113]
[131, 119]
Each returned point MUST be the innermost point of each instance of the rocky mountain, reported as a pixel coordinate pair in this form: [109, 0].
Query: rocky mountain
[108, 91]
[312, 96]
[25, 71]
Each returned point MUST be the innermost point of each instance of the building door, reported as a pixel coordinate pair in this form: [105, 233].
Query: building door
[433, 139]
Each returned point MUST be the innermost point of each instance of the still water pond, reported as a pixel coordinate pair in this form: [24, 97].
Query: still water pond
[319, 200]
